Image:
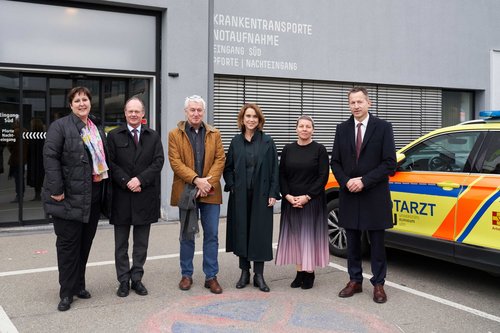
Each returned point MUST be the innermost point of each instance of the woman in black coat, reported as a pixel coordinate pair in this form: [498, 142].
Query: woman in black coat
[251, 176]
[74, 157]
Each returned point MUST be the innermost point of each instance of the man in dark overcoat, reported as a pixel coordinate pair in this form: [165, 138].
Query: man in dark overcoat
[136, 158]
[363, 157]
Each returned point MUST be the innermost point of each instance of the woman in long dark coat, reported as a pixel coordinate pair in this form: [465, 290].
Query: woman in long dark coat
[251, 176]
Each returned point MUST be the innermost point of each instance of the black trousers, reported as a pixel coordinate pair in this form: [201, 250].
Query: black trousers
[258, 266]
[73, 243]
[124, 272]
[377, 256]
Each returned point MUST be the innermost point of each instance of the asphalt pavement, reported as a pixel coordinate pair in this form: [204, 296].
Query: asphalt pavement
[29, 294]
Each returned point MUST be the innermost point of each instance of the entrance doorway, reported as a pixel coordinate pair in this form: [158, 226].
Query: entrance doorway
[29, 102]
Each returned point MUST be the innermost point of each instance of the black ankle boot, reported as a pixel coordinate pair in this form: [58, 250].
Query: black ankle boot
[244, 279]
[258, 281]
[299, 278]
[308, 280]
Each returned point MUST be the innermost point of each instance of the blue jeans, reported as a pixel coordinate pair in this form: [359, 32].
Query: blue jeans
[209, 214]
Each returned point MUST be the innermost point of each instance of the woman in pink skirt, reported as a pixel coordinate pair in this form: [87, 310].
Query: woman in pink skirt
[303, 238]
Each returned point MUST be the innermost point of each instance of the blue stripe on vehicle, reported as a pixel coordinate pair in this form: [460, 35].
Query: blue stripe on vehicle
[478, 216]
[429, 189]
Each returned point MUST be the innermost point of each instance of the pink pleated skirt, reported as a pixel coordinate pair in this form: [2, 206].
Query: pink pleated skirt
[303, 238]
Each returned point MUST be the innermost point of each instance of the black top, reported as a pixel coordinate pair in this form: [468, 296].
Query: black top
[251, 151]
[197, 142]
[303, 169]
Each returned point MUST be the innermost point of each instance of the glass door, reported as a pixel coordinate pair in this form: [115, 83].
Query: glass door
[29, 103]
[34, 128]
[9, 145]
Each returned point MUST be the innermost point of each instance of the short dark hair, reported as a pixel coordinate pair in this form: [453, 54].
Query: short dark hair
[356, 89]
[79, 90]
[258, 111]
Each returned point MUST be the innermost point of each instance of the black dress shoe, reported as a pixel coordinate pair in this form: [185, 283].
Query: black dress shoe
[123, 289]
[244, 279]
[65, 303]
[299, 278]
[83, 294]
[258, 281]
[139, 288]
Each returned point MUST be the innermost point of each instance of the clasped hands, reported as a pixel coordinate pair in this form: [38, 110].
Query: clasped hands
[203, 186]
[297, 201]
[134, 185]
[355, 185]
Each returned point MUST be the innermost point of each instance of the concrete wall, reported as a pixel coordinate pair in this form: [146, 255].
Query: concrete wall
[444, 43]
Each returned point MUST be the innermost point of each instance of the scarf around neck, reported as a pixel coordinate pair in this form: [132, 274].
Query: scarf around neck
[93, 141]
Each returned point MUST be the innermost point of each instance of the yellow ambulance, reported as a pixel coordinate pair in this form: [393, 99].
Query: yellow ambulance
[445, 196]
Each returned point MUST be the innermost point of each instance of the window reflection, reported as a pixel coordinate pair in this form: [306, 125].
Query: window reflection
[114, 101]
[34, 115]
[458, 107]
[58, 90]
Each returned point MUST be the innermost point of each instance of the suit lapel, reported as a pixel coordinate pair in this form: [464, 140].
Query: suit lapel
[351, 135]
[370, 129]
[263, 147]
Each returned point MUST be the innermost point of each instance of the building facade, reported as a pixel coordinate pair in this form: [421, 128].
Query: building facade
[426, 64]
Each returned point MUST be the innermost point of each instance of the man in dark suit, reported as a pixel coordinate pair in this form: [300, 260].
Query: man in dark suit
[136, 158]
[363, 157]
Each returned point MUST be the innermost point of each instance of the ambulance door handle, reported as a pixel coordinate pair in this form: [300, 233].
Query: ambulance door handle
[448, 186]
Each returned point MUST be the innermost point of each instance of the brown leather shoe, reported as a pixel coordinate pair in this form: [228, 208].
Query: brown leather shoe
[350, 289]
[379, 295]
[213, 285]
[186, 283]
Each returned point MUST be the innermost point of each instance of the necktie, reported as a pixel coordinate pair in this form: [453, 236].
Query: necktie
[136, 138]
[359, 140]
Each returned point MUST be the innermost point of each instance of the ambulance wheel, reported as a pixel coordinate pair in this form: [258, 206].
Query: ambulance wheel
[337, 238]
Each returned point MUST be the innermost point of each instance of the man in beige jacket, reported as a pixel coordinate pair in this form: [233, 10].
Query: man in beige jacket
[197, 157]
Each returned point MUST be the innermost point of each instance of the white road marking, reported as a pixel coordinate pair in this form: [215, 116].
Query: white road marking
[6, 326]
[90, 264]
[428, 296]
[336, 266]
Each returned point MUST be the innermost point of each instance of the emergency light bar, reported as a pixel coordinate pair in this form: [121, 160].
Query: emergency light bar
[492, 114]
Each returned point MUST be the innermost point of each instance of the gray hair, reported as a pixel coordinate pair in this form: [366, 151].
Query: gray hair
[196, 99]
